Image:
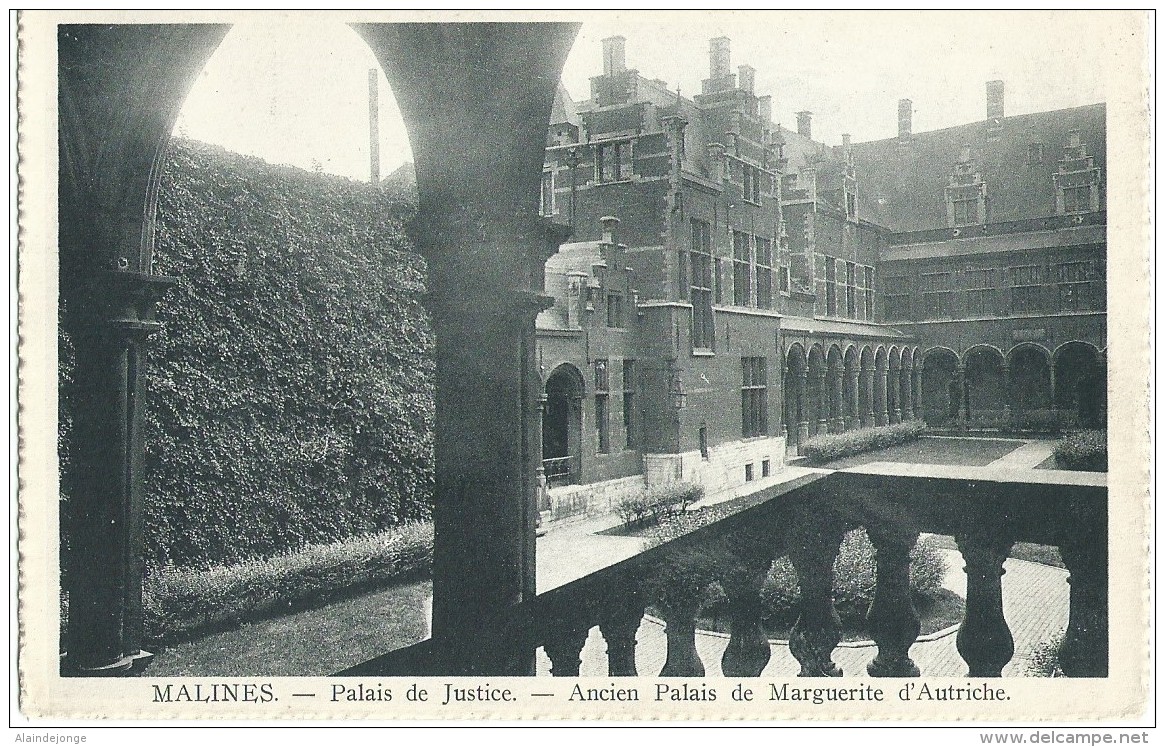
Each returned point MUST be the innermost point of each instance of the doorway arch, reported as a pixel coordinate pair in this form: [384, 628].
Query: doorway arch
[562, 426]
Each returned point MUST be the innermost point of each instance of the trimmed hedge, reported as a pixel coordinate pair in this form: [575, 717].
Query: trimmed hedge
[291, 390]
[823, 449]
[1044, 421]
[181, 602]
[654, 505]
[1084, 450]
[854, 580]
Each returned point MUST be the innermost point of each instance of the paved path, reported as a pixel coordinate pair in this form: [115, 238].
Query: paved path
[1027, 456]
[1035, 604]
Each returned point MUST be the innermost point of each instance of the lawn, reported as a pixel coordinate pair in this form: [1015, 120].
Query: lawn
[970, 452]
[311, 643]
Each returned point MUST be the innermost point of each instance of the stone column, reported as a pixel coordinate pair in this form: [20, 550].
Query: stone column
[1085, 649]
[564, 643]
[868, 420]
[822, 404]
[854, 414]
[813, 545]
[837, 405]
[110, 323]
[619, 626]
[540, 472]
[802, 408]
[893, 389]
[881, 411]
[1007, 400]
[907, 393]
[916, 390]
[961, 391]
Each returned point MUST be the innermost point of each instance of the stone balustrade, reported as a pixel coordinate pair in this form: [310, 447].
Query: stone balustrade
[985, 510]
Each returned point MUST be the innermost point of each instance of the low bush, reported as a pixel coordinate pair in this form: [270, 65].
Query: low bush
[822, 449]
[1083, 450]
[1044, 660]
[181, 602]
[656, 504]
[854, 580]
[1043, 421]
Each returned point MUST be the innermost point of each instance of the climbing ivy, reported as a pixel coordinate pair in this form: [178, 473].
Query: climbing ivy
[290, 393]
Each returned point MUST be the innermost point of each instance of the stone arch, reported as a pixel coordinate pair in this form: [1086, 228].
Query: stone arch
[1080, 382]
[940, 398]
[987, 401]
[893, 384]
[1030, 367]
[120, 88]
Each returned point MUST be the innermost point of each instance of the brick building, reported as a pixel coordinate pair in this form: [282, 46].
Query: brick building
[735, 287]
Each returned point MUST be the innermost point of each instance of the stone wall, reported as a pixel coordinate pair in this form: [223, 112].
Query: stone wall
[724, 472]
[576, 501]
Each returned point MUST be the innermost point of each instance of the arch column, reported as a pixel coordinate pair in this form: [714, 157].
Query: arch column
[802, 407]
[881, 412]
[837, 403]
[854, 414]
[916, 390]
[485, 247]
[867, 381]
[822, 403]
[907, 393]
[893, 390]
[961, 392]
[1007, 396]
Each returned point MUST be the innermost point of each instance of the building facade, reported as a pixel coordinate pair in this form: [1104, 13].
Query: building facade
[735, 287]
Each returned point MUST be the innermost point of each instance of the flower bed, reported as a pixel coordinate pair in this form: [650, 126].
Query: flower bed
[651, 506]
[1083, 450]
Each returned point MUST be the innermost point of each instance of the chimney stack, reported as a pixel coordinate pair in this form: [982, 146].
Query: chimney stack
[764, 108]
[609, 222]
[845, 141]
[994, 99]
[747, 77]
[720, 60]
[373, 127]
[905, 117]
[805, 124]
[614, 55]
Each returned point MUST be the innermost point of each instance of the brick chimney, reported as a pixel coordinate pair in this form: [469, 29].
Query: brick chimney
[805, 124]
[719, 58]
[905, 117]
[994, 99]
[746, 77]
[609, 222]
[764, 108]
[614, 55]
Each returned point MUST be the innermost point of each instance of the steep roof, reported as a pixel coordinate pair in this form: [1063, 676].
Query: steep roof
[901, 185]
[564, 109]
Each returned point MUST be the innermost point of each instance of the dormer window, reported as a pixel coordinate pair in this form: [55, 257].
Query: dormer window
[966, 194]
[1077, 180]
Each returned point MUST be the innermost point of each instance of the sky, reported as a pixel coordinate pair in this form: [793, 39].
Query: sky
[293, 91]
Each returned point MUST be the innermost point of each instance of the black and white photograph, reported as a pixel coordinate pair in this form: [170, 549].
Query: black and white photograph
[592, 365]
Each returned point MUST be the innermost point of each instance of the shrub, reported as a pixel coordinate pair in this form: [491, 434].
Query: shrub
[1083, 450]
[823, 449]
[854, 580]
[291, 388]
[1043, 421]
[1044, 660]
[180, 602]
[656, 504]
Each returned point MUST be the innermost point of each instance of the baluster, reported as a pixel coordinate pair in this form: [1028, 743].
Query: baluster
[1085, 649]
[892, 619]
[818, 630]
[680, 615]
[748, 648]
[619, 626]
[565, 638]
[984, 640]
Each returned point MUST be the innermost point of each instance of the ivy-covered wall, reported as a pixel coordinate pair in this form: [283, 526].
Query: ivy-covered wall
[290, 393]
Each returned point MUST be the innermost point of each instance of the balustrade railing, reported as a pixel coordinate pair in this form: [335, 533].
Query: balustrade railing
[806, 520]
[560, 471]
